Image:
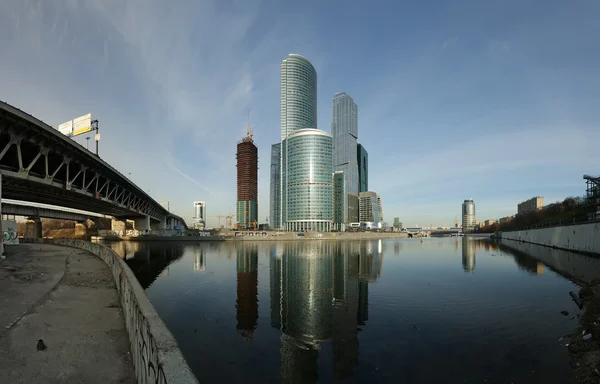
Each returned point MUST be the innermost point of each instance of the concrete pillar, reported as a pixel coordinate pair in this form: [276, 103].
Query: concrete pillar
[83, 229]
[141, 223]
[161, 225]
[119, 226]
[33, 228]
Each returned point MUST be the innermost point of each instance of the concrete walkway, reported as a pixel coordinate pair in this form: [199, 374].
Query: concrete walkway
[67, 298]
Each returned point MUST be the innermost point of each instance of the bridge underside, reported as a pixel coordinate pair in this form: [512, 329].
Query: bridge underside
[39, 164]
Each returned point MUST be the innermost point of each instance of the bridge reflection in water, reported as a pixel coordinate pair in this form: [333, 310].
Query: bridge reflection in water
[319, 292]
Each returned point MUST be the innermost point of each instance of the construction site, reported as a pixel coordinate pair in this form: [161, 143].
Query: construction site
[247, 181]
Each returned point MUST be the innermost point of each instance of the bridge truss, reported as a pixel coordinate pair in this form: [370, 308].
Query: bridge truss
[39, 164]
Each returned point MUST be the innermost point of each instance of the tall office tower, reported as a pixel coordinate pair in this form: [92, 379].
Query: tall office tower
[298, 104]
[344, 128]
[363, 168]
[298, 95]
[247, 181]
[369, 209]
[275, 197]
[339, 197]
[199, 219]
[468, 216]
[306, 192]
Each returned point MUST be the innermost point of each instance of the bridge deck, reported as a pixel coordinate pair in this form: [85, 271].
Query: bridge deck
[67, 298]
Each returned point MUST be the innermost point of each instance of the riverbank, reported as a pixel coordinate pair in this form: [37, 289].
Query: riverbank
[584, 342]
[67, 298]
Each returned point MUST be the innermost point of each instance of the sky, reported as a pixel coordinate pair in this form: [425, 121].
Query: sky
[492, 100]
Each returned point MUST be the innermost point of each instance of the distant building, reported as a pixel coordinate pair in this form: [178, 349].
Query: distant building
[369, 210]
[397, 223]
[468, 216]
[489, 222]
[199, 219]
[275, 197]
[363, 168]
[339, 198]
[531, 205]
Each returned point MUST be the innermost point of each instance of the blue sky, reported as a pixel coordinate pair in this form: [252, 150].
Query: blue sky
[494, 100]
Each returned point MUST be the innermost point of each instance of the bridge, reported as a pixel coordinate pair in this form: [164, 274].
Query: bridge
[39, 164]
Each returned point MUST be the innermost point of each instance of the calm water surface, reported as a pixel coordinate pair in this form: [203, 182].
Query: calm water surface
[394, 310]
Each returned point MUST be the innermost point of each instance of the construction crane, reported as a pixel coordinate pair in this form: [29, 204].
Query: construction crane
[220, 217]
[230, 218]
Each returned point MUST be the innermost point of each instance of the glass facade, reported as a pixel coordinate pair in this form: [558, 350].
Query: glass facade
[339, 199]
[363, 168]
[344, 128]
[306, 193]
[275, 196]
[468, 216]
[298, 95]
[369, 209]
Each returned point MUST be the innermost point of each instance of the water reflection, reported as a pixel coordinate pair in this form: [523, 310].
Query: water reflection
[199, 260]
[469, 249]
[319, 292]
[247, 291]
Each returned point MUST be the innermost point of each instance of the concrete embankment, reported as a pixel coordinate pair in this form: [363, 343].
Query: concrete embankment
[155, 353]
[66, 298]
[584, 238]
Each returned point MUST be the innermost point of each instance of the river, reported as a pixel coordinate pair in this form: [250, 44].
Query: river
[452, 310]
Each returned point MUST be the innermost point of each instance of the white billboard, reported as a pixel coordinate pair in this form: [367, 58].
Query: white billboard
[66, 128]
[82, 124]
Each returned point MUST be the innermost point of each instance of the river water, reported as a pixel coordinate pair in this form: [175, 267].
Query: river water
[445, 310]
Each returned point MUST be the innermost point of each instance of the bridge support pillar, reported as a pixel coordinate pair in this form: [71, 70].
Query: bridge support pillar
[33, 228]
[142, 223]
[119, 226]
[161, 225]
[83, 229]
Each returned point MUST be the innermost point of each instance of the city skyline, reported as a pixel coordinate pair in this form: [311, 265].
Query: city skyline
[172, 101]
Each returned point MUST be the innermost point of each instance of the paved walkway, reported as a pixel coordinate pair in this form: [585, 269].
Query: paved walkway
[67, 298]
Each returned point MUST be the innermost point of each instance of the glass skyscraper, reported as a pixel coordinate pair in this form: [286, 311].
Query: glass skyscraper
[344, 128]
[306, 193]
[339, 197]
[301, 184]
[363, 168]
[275, 196]
[298, 95]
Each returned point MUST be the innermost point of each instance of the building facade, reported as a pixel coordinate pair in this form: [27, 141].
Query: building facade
[363, 168]
[298, 95]
[307, 190]
[275, 195]
[531, 205]
[199, 219]
[344, 128]
[247, 182]
[468, 216]
[339, 199]
[369, 210]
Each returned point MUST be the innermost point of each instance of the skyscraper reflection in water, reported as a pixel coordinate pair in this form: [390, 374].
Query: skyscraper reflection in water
[319, 293]
[247, 290]
[469, 248]
[199, 259]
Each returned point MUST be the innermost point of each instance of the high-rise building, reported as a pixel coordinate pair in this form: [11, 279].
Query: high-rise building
[531, 205]
[397, 223]
[363, 168]
[199, 219]
[307, 192]
[339, 198]
[247, 181]
[298, 111]
[275, 196]
[369, 211]
[468, 216]
[352, 207]
[298, 95]
[344, 128]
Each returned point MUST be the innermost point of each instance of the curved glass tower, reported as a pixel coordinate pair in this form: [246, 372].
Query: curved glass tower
[306, 168]
[298, 95]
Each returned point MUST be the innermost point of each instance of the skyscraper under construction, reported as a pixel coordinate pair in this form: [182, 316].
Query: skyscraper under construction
[247, 181]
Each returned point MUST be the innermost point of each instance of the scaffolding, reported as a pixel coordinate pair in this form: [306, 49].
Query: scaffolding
[592, 197]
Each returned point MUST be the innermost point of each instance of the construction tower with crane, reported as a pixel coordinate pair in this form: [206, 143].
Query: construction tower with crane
[247, 180]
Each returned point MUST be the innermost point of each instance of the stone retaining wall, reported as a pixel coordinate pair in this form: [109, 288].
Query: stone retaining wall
[583, 238]
[156, 355]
